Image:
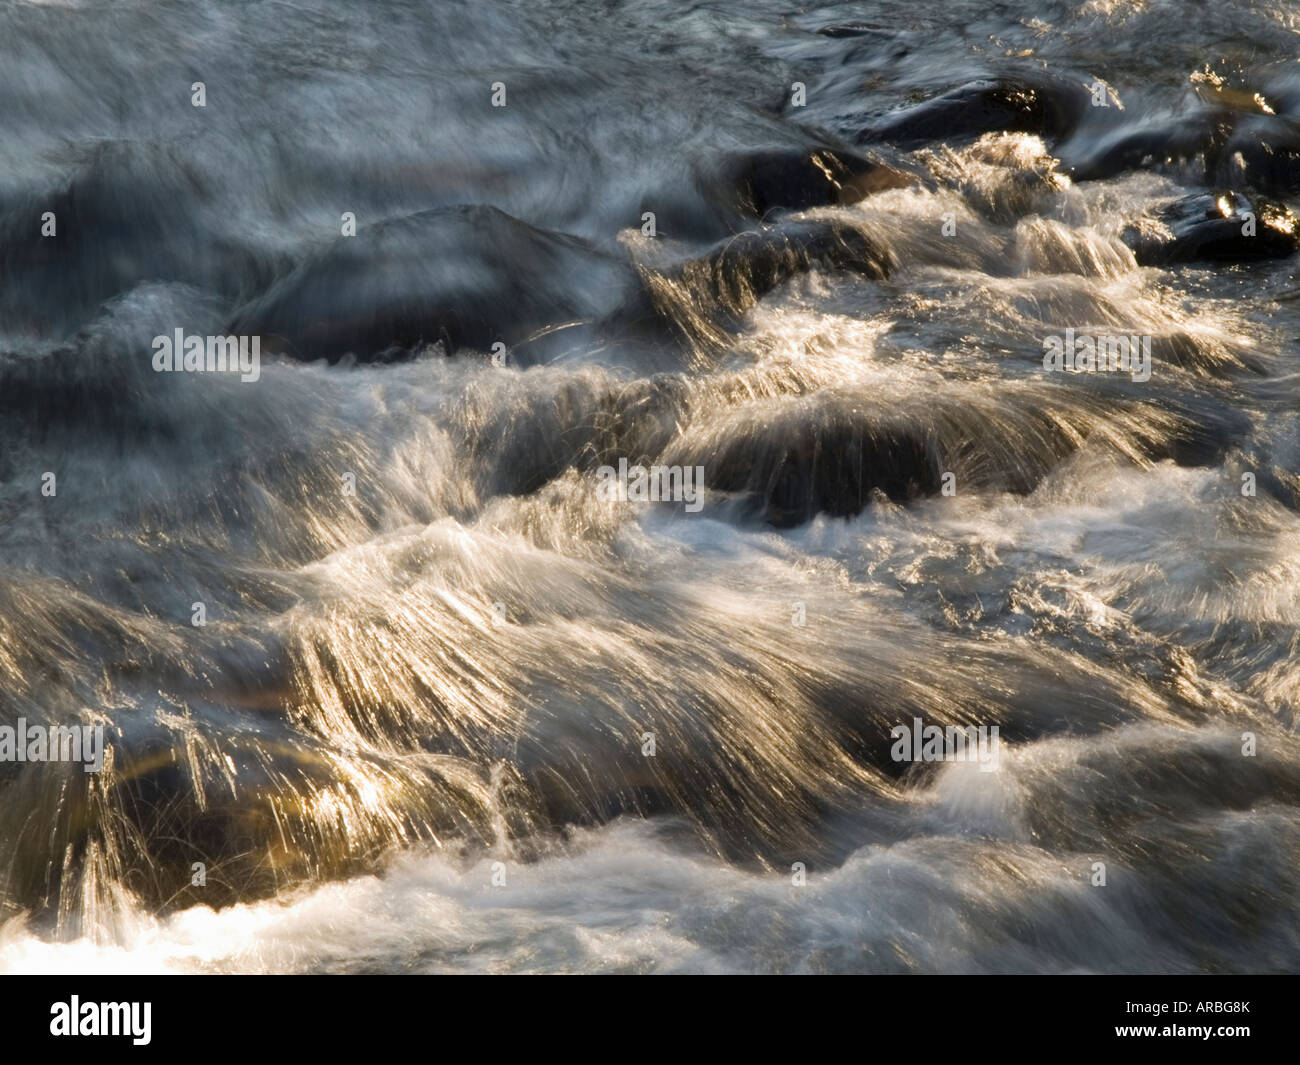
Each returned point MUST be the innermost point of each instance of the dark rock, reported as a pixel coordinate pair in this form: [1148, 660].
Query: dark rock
[1263, 151]
[742, 270]
[800, 178]
[1220, 226]
[1161, 140]
[1217, 145]
[815, 457]
[1048, 106]
[465, 276]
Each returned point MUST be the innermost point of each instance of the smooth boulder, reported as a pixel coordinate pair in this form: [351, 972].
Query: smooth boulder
[1218, 226]
[465, 277]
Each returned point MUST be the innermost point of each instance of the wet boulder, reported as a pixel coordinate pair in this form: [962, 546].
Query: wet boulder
[468, 277]
[813, 456]
[740, 271]
[1216, 226]
[1263, 152]
[699, 302]
[1159, 140]
[799, 178]
[1217, 145]
[1045, 105]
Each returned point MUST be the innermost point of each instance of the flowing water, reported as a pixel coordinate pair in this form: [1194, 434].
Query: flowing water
[387, 682]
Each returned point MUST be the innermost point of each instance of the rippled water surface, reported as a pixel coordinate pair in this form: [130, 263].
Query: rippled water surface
[451, 708]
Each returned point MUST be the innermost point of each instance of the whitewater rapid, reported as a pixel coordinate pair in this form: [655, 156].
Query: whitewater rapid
[447, 706]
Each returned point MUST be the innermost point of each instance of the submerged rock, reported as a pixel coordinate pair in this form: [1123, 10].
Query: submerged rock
[748, 266]
[703, 300]
[1216, 145]
[813, 455]
[468, 277]
[129, 212]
